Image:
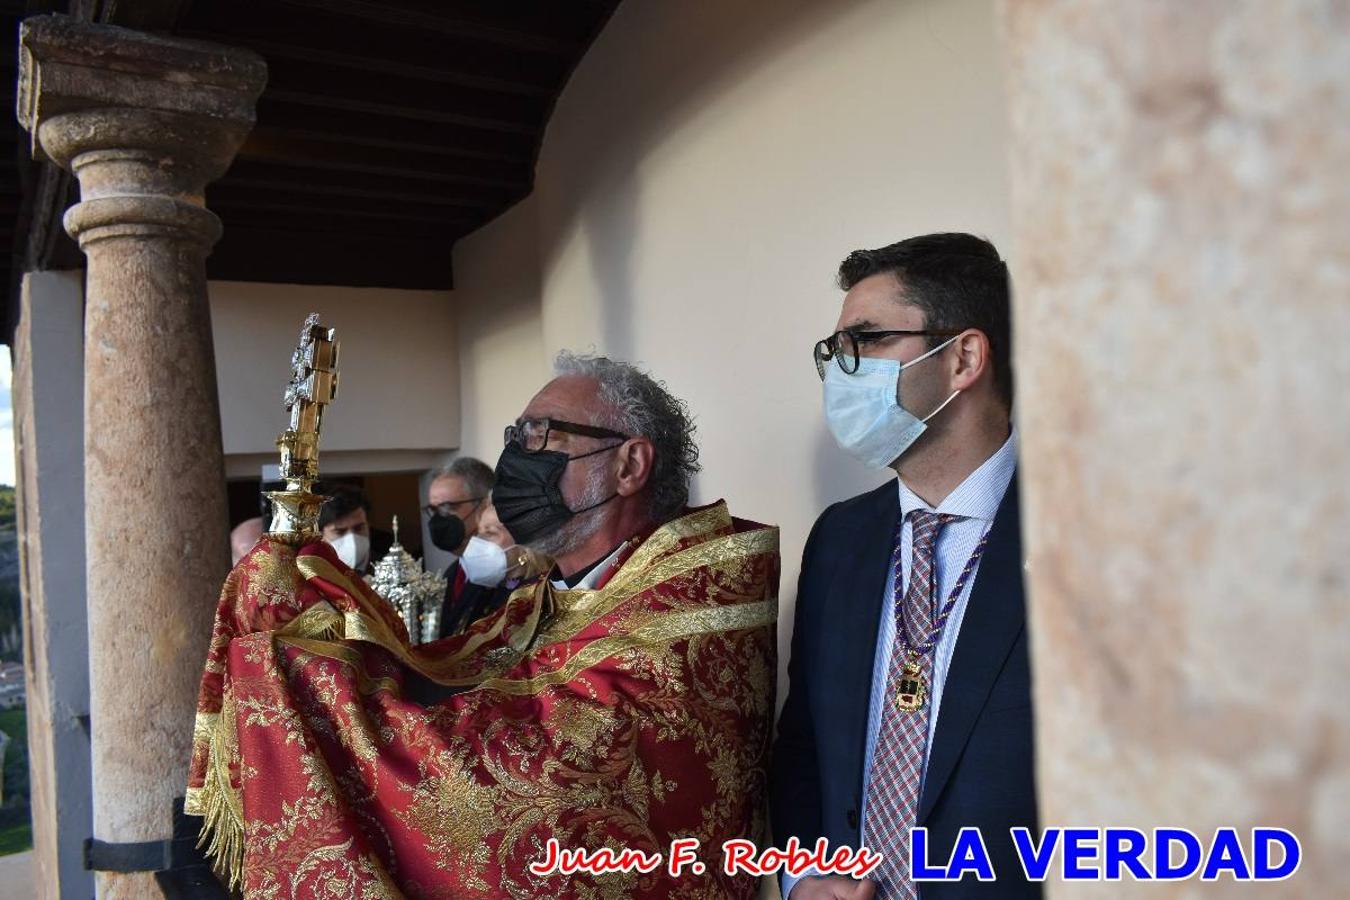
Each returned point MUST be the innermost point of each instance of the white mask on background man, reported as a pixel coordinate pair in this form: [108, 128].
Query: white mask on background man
[353, 549]
[864, 413]
[484, 563]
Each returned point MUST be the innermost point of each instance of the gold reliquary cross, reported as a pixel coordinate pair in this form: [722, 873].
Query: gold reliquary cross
[312, 387]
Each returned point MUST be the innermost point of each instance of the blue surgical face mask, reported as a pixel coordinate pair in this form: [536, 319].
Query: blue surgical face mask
[864, 413]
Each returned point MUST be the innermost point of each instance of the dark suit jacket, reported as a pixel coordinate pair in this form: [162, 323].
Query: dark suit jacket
[472, 603]
[980, 766]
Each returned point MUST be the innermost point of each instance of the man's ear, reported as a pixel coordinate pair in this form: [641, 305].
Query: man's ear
[972, 359]
[634, 460]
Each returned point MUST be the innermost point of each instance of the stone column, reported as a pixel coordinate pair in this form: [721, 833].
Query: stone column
[1181, 211]
[144, 123]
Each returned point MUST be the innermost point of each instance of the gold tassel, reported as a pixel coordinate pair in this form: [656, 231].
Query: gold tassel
[222, 811]
[217, 801]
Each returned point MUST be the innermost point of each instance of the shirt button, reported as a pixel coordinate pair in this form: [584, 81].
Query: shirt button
[852, 818]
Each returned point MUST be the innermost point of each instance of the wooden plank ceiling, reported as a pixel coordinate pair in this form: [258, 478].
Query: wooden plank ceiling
[388, 130]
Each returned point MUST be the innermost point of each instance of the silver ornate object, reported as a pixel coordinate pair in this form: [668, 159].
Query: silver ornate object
[416, 594]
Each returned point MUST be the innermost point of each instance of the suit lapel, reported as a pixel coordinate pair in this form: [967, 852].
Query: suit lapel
[858, 584]
[993, 620]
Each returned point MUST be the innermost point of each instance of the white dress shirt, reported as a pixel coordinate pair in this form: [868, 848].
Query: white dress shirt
[594, 576]
[977, 500]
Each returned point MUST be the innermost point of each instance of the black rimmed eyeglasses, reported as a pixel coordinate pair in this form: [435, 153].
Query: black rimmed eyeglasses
[449, 507]
[531, 435]
[842, 346]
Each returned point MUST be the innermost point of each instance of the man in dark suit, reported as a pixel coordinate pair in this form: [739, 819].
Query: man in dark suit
[456, 498]
[909, 701]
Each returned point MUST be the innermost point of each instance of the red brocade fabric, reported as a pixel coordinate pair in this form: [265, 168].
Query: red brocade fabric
[622, 717]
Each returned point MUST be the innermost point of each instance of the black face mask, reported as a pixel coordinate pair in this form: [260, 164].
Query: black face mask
[447, 532]
[529, 502]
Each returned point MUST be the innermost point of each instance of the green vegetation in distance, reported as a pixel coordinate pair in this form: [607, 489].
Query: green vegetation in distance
[16, 829]
[11, 602]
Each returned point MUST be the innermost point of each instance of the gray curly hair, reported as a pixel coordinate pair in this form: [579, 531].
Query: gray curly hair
[640, 406]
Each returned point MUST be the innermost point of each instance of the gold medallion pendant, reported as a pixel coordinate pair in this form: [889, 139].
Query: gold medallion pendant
[913, 691]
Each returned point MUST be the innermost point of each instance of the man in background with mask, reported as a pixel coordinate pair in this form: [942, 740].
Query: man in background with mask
[455, 501]
[909, 701]
[494, 565]
[625, 700]
[344, 522]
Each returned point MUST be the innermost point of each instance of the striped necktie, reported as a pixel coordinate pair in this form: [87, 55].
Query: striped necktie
[902, 741]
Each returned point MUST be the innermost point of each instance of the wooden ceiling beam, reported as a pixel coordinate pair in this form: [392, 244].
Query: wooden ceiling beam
[308, 122]
[322, 206]
[276, 31]
[263, 176]
[517, 29]
[405, 68]
[335, 87]
[267, 146]
[292, 218]
[358, 260]
[281, 233]
[144, 15]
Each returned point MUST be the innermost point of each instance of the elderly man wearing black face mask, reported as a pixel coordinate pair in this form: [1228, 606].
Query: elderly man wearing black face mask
[624, 700]
[586, 494]
[455, 499]
[651, 640]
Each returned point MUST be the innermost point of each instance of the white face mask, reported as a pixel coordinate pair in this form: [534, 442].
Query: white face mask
[864, 413]
[353, 549]
[483, 562]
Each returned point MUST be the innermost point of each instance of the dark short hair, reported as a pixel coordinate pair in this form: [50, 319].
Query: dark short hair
[958, 281]
[477, 475]
[343, 500]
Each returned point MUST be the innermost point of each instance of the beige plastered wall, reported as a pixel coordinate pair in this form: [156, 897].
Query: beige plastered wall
[398, 393]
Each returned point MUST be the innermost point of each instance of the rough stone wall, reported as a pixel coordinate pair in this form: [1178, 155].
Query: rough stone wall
[1181, 212]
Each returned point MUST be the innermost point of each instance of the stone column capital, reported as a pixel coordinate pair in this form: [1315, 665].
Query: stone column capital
[144, 122]
[69, 67]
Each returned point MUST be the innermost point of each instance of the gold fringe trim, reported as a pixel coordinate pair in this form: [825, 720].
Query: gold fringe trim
[220, 805]
[216, 801]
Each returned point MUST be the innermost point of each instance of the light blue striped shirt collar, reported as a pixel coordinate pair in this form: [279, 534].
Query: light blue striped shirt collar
[979, 496]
